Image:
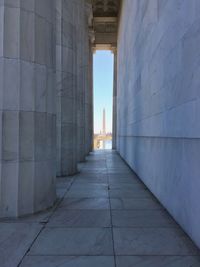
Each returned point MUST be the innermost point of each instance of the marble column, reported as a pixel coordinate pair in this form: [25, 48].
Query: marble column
[88, 79]
[81, 26]
[91, 126]
[66, 88]
[80, 122]
[114, 127]
[86, 95]
[27, 107]
[88, 91]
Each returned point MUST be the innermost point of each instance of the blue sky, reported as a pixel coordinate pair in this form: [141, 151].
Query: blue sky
[103, 89]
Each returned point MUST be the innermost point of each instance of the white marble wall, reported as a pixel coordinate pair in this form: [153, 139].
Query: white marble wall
[27, 106]
[159, 102]
[66, 87]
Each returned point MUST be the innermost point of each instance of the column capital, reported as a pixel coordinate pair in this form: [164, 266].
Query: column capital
[114, 50]
[91, 35]
[89, 13]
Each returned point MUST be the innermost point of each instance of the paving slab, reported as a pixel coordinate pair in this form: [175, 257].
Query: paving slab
[73, 241]
[142, 218]
[15, 240]
[127, 186]
[64, 181]
[63, 261]
[40, 217]
[122, 170]
[121, 179]
[130, 193]
[135, 203]
[158, 261]
[96, 171]
[80, 218]
[153, 241]
[89, 186]
[84, 174]
[85, 203]
[77, 231]
[60, 192]
[87, 193]
[92, 179]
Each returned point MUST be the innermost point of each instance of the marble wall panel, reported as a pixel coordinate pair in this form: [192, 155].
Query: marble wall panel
[158, 127]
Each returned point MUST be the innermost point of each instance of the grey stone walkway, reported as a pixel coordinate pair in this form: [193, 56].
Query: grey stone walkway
[105, 217]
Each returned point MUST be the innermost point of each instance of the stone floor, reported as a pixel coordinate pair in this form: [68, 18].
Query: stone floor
[104, 217]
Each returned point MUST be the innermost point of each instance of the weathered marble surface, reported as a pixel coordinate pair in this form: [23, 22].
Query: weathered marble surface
[142, 218]
[153, 241]
[27, 107]
[84, 82]
[134, 203]
[15, 240]
[80, 218]
[45, 99]
[75, 261]
[73, 241]
[66, 89]
[158, 104]
[85, 203]
[161, 261]
[73, 85]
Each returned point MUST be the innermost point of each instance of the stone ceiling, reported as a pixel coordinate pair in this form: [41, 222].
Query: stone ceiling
[105, 23]
[105, 8]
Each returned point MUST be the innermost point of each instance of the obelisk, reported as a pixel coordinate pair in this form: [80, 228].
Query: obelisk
[104, 122]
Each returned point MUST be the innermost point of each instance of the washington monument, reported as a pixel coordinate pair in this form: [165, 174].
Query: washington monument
[104, 122]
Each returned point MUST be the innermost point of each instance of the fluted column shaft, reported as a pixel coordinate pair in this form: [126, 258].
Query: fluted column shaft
[27, 107]
[66, 88]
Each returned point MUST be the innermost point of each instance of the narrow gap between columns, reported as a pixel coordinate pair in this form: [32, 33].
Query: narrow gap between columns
[103, 67]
